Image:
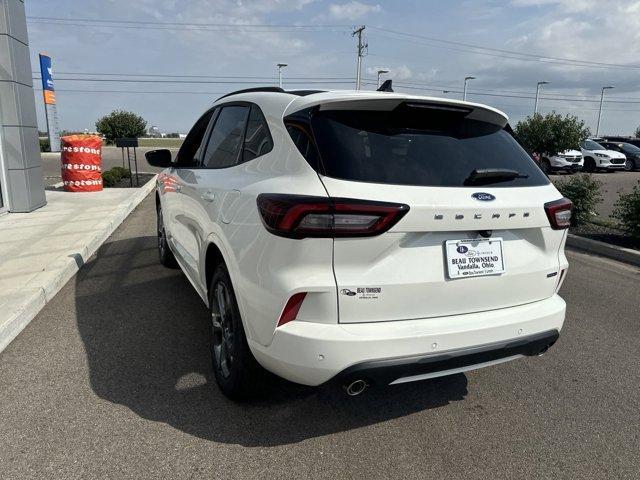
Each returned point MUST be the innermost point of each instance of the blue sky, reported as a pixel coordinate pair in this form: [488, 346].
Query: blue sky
[405, 37]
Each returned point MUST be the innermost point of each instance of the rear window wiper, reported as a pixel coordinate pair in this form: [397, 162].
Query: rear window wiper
[483, 176]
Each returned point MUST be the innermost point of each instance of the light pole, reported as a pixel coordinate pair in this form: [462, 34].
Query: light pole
[280, 67]
[464, 91]
[535, 108]
[380, 72]
[600, 111]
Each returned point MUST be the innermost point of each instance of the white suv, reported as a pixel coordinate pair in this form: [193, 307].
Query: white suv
[568, 161]
[597, 157]
[365, 238]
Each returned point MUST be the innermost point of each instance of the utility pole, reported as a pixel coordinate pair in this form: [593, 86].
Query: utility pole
[280, 67]
[600, 111]
[464, 91]
[361, 48]
[535, 107]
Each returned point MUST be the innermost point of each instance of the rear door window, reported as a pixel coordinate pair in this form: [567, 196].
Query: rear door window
[417, 145]
[223, 147]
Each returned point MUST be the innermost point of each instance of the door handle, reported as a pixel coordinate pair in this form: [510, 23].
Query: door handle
[208, 196]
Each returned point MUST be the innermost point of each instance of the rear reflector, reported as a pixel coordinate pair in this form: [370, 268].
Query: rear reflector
[559, 213]
[291, 309]
[300, 216]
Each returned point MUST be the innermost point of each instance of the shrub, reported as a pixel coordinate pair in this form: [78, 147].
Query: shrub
[584, 191]
[110, 179]
[121, 124]
[122, 172]
[44, 145]
[627, 210]
[550, 134]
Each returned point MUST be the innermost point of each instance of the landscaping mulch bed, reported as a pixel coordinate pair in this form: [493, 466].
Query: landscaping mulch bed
[606, 234]
[126, 182]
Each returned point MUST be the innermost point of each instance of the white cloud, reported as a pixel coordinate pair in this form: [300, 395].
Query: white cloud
[352, 10]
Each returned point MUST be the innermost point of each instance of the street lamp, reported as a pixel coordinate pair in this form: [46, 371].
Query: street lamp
[600, 111]
[280, 67]
[535, 108]
[464, 92]
[380, 72]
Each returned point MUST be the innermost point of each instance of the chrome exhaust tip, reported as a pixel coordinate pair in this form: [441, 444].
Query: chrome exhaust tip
[356, 387]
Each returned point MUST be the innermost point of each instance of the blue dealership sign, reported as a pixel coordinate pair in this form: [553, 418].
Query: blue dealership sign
[45, 72]
[50, 108]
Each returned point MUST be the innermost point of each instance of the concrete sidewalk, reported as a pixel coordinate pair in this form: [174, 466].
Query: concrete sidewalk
[40, 251]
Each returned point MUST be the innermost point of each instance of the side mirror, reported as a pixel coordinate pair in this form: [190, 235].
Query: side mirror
[159, 158]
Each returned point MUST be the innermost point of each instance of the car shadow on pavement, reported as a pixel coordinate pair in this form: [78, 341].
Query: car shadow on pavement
[146, 338]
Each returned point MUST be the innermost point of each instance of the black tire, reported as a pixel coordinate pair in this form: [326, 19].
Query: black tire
[164, 252]
[237, 372]
[589, 165]
[629, 165]
[545, 166]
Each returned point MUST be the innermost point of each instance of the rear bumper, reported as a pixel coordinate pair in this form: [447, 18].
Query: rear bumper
[314, 353]
[408, 369]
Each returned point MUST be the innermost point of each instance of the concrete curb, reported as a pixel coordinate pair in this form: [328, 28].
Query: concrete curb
[44, 286]
[614, 252]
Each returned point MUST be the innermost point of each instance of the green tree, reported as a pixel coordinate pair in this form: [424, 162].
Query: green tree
[637, 133]
[120, 124]
[551, 134]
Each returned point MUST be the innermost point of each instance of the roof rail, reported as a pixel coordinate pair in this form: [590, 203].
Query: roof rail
[300, 93]
[254, 89]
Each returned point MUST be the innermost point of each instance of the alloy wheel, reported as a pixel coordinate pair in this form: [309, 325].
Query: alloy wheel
[628, 165]
[222, 329]
[161, 235]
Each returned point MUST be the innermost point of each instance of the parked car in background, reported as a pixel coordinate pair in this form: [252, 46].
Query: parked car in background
[597, 157]
[569, 161]
[632, 140]
[630, 151]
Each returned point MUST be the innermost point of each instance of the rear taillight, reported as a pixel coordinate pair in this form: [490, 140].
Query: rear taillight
[300, 216]
[559, 213]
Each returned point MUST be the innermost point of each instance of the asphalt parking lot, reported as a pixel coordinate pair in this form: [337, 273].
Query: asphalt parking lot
[111, 380]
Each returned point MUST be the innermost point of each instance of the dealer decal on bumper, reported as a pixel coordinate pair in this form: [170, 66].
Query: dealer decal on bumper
[363, 293]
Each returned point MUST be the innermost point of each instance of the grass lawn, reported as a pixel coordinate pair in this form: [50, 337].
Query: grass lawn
[160, 142]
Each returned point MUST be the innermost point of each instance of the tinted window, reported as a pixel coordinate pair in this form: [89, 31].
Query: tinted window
[257, 140]
[418, 146]
[303, 140]
[187, 154]
[226, 137]
[628, 148]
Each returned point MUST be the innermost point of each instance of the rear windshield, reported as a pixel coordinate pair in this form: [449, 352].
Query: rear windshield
[417, 146]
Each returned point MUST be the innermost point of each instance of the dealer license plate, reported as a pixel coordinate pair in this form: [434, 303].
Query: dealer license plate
[474, 258]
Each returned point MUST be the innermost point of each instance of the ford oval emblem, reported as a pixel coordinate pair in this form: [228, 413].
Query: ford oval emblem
[483, 196]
